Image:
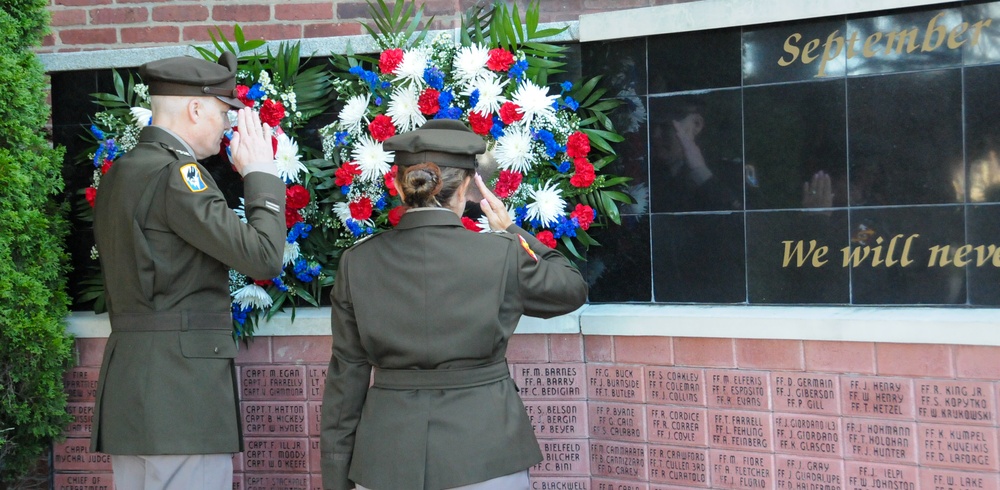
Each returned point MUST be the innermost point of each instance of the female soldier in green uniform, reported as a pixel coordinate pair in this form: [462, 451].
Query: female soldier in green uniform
[430, 306]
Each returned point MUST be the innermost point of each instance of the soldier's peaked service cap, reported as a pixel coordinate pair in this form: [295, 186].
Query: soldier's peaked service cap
[445, 142]
[187, 75]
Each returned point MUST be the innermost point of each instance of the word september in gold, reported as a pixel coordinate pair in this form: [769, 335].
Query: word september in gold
[934, 36]
[896, 252]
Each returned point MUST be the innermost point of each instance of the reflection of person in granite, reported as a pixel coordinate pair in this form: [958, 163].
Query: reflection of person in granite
[431, 306]
[681, 179]
[167, 409]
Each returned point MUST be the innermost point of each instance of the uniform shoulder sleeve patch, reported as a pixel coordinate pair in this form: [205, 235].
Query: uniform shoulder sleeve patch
[527, 248]
[192, 177]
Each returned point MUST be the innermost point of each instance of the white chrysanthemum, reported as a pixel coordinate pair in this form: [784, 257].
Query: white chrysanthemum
[513, 149]
[287, 159]
[291, 253]
[373, 160]
[470, 63]
[546, 205]
[490, 93]
[534, 101]
[241, 210]
[343, 211]
[252, 296]
[141, 116]
[412, 67]
[354, 113]
[404, 109]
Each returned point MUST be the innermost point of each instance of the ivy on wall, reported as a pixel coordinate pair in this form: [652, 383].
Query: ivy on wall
[34, 348]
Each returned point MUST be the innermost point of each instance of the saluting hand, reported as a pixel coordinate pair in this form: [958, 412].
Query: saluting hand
[493, 208]
[251, 144]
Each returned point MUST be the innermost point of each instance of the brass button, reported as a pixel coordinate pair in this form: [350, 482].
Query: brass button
[216, 350]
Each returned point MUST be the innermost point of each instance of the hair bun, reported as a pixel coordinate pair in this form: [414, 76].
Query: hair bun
[421, 183]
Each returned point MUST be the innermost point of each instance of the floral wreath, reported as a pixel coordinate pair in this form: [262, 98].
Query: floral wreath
[285, 97]
[542, 142]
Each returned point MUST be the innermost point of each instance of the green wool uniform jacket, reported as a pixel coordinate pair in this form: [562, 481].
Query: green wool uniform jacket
[431, 306]
[166, 240]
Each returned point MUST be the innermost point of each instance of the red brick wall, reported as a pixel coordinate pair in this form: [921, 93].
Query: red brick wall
[656, 413]
[83, 25]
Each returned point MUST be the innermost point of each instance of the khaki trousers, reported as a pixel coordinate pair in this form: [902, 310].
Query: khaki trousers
[513, 481]
[173, 472]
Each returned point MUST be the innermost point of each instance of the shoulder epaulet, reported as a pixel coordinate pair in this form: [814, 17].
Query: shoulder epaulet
[366, 238]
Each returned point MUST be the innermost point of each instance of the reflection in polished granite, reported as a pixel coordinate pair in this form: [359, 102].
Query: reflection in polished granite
[909, 269]
[694, 61]
[698, 258]
[619, 269]
[794, 257]
[915, 40]
[982, 134]
[621, 64]
[987, 50]
[788, 52]
[675, 182]
[905, 138]
[796, 133]
[984, 242]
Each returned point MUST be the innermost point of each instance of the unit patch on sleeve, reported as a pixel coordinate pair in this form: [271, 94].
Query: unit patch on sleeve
[524, 243]
[192, 177]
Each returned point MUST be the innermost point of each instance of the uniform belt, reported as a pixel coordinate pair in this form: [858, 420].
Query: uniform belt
[171, 321]
[441, 379]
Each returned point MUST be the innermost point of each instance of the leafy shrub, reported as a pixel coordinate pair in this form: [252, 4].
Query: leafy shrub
[34, 348]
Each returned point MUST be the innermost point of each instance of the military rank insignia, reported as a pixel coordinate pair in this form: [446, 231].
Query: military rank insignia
[527, 248]
[192, 177]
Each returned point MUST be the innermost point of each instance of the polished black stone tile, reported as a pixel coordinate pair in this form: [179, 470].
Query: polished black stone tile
[621, 64]
[906, 255]
[798, 51]
[796, 134]
[704, 170]
[907, 41]
[71, 96]
[982, 133]
[980, 43]
[795, 257]
[905, 138]
[619, 269]
[984, 255]
[630, 120]
[698, 258]
[694, 61]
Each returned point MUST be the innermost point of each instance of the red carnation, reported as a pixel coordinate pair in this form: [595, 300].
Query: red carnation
[545, 236]
[395, 214]
[106, 165]
[292, 216]
[361, 209]
[507, 183]
[382, 128]
[509, 114]
[500, 60]
[241, 93]
[345, 174]
[577, 145]
[263, 282]
[584, 175]
[296, 196]
[91, 194]
[470, 224]
[389, 60]
[272, 112]
[481, 124]
[584, 216]
[428, 102]
[390, 180]
[274, 146]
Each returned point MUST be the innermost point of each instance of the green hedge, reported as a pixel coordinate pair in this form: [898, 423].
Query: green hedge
[34, 348]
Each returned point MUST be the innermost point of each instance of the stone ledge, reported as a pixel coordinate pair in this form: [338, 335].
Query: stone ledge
[907, 325]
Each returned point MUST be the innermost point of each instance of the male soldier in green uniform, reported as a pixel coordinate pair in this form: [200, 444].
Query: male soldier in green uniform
[430, 307]
[167, 408]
